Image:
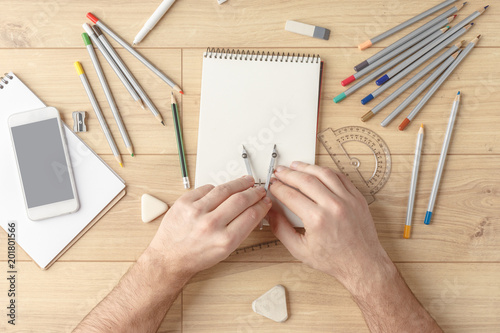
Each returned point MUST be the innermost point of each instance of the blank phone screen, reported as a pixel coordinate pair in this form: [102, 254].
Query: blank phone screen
[42, 163]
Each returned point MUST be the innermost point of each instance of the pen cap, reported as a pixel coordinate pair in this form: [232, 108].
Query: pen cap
[86, 39]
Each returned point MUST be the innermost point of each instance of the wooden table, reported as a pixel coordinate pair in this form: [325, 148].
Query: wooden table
[453, 266]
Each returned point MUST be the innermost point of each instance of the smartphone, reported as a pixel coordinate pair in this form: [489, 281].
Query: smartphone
[43, 163]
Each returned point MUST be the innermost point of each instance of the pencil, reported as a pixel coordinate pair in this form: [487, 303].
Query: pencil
[397, 51]
[405, 24]
[180, 143]
[413, 184]
[432, 48]
[98, 112]
[128, 74]
[438, 83]
[412, 81]
[107, 92]
[388, 65]
[442, 158]
[113, 65]
[427, 82]
[406, 38]
[136, 54]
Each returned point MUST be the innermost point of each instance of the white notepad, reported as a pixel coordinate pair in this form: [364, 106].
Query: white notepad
[256, 100]
[96, 183]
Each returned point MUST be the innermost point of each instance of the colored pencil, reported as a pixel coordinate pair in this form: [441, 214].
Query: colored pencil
[180, 143]
[405, 24]
[397, 51]
[388, 65]
[438, 83]
[413, 184]
[136, 54]
[442, 159]
[107, 92]
[433, 47]
[98, 112]
[128, 74]
[446, 55]
[427, 82]
[409, 36]
[113, 65]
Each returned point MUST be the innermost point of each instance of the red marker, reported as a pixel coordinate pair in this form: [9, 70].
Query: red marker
[136, 54]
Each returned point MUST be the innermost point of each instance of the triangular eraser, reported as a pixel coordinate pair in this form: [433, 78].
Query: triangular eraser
[151, 208]
[272, 304]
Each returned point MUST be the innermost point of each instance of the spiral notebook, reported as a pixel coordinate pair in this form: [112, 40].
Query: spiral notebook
[256, 100]
[99, 187]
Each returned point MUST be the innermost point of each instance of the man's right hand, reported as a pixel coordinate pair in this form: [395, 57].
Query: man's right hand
[340, 237]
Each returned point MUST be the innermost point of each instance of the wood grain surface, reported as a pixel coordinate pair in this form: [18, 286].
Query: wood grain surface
[453, 266]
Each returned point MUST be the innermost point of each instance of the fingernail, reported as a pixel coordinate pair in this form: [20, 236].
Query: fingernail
[260, 189]
[273, 180]
[249, 178]
[266, 200]
[294, 164]
[279, 168]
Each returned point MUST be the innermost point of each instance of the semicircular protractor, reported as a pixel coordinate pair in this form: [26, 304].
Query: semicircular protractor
[360, 154]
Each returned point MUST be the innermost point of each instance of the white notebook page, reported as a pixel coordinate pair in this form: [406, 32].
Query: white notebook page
[96, 183]
[256, 104]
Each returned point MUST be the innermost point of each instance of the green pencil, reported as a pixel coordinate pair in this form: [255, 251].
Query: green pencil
[180, 143]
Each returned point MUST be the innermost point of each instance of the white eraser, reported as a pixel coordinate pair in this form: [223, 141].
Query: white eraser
[151, 208]
[307, 30]
[272, 304]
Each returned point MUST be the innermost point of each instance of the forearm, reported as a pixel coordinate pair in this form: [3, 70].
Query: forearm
[386, 301]
[140, 300]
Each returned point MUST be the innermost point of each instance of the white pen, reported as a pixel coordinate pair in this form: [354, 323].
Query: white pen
[151, 22]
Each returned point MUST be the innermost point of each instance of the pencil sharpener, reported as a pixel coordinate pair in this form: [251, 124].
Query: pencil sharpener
[79, 118]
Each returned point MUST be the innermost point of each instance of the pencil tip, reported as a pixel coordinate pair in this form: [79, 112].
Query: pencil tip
[422, 125]
[121, 165]
[133, 155]
[163, 123]
[486, 7]
[458, 93]
[181, 92]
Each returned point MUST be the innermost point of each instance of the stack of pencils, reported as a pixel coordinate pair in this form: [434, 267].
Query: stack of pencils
[398, 60]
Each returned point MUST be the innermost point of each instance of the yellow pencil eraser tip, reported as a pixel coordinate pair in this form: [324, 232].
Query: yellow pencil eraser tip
[79, 68]
[365, 45]
[407, 231]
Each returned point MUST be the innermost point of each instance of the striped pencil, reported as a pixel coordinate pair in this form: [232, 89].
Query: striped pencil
[442, 159]
[438, 83]
[408, 37]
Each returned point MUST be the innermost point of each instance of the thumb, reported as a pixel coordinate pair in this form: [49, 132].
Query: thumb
[284, 231]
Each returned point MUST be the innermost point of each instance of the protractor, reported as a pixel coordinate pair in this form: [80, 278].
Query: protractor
[360, 154]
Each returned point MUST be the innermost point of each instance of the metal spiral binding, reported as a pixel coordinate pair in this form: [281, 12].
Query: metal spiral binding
[248, 55]
[2, 79]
